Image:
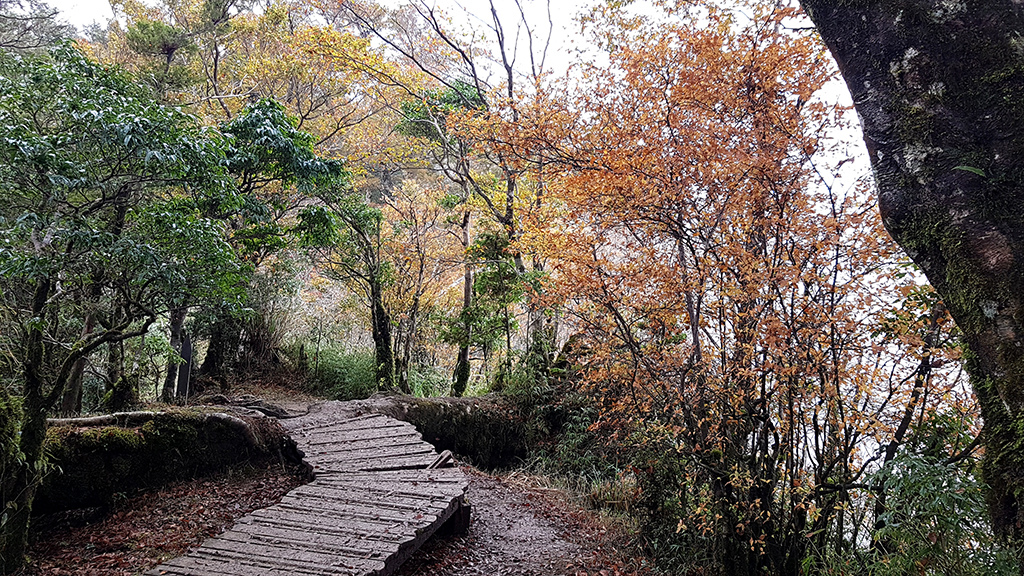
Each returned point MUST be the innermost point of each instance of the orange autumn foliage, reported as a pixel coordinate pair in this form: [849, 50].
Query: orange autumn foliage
[730, 297]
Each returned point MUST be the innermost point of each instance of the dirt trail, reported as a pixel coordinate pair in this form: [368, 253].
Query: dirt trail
[522, 530]
[518, 528]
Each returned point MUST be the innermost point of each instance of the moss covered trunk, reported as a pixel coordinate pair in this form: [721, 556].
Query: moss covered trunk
[384, 357]
[24, 478]
[225, 338]
[939, 88]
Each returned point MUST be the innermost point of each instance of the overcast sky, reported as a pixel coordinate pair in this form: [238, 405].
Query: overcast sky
[83, 12]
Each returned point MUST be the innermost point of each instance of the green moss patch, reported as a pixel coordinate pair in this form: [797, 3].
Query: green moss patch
[489, 432]
[91, 466]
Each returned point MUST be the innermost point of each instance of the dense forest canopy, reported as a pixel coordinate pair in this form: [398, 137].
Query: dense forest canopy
[659, 256]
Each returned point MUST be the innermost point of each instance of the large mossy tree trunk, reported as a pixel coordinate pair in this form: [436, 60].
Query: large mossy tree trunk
[10, 468]
[122, 386]
[25, 477]
[939, 87]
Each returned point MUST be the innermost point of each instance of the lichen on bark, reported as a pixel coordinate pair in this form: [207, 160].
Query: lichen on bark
[937, 85]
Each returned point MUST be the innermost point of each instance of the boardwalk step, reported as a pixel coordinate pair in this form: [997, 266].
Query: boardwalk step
[378, 495]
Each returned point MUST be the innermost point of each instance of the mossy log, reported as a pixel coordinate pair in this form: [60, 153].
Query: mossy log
[487, 431]
[94, 459]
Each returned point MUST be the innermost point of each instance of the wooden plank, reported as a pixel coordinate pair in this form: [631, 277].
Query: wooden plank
[376, 452]
[373, 504]
[335, 443]
[390, 493]
[399, 497]
[347, 543]
[245, 565]
[354, 528]
[439, 475]
[193, 565]
[362, 514]
[310, 423]
[381, 449]
[389, 499]
[341, 435]
[359, 436]
[378, 464]
[295, 546]
[292, 557]
[414, 479]
[369, 526]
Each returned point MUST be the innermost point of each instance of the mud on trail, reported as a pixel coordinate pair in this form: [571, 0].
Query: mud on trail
[519, 528]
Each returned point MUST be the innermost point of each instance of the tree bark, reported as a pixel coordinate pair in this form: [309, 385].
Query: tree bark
[938, 89]
[71, 403]
[177, 322]
[462, 366]
[384, 357]
[14, 533]
[184, 388]
[402, 366]
[225, 337]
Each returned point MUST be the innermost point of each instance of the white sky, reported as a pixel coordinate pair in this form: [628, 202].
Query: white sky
[563, 12]
[83, 12]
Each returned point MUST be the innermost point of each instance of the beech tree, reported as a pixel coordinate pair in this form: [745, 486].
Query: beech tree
[938, 89]
[470, 122]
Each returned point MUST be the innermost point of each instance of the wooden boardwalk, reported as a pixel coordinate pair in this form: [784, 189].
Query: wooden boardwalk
[376, 499]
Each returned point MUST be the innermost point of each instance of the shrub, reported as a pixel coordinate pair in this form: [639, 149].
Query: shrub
[341, 375]
[935, 521]
[427, 382]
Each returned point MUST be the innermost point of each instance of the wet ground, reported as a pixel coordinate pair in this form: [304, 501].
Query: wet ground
[521, 529]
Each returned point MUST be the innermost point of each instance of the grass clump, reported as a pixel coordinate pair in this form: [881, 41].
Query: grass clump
[342, 375]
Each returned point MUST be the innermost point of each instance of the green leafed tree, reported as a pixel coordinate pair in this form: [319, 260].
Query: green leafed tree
[346, 230]
[277, 173]
[162, 42]
[93, 247]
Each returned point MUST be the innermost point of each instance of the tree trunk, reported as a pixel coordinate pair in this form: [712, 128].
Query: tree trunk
[177, 322]
[184, 387]
[71, 403]
[406, 359]
[122, 388]
[384, 357]
[225, 337]
[14, 533]
[938, 89]
[462, 366]
[10, 469]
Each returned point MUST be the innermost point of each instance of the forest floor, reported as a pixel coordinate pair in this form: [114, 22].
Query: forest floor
[137, 533]
[519, 527]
